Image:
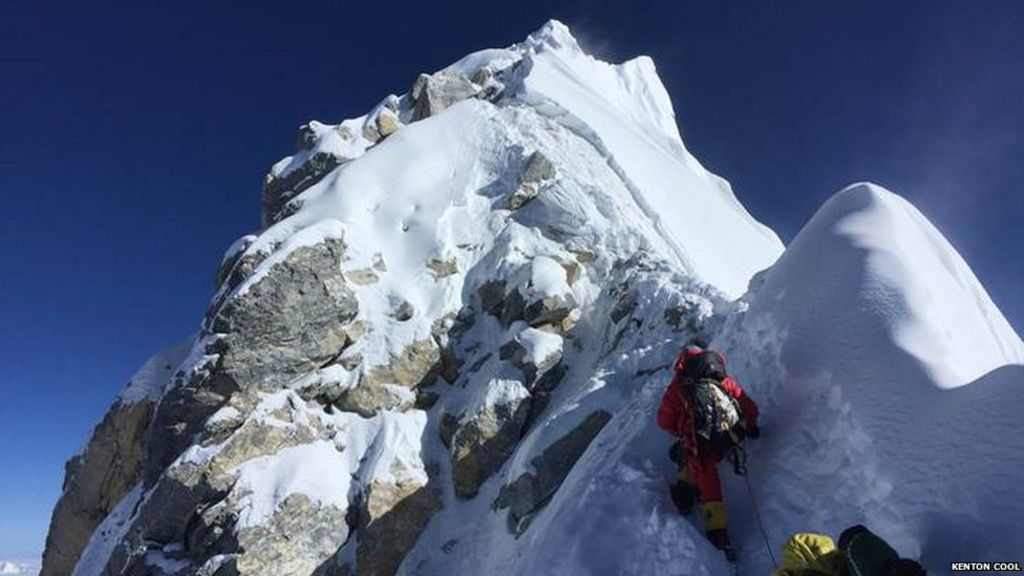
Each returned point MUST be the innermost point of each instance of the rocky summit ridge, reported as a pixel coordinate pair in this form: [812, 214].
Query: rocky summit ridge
[451, 302]
[442, 351]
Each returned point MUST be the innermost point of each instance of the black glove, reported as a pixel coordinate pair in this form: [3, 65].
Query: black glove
[753, 432]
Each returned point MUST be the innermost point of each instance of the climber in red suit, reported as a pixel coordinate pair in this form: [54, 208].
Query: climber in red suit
[698, 474]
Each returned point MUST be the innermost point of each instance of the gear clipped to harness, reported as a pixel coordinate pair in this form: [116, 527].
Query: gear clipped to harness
[716, 413]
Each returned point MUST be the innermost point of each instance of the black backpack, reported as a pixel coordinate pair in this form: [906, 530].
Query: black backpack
[717, 418]
[706, 365]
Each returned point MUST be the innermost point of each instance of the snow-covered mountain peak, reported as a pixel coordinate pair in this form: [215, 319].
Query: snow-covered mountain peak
[873, 250]
[442, 351]
[879, 355]
[553, 35]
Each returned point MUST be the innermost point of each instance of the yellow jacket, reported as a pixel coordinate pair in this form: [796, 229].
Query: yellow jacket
[809, 554]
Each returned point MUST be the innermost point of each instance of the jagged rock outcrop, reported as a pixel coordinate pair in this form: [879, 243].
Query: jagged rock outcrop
[524, 495]
[394, 515]
[197, 500]
[536, 170]
[487, 435]
[392, 386]
[547, 297]
[289, 321]
[95, 481]
[303, 301]
[300, 537]
[279, 190]
[231, 259]
[433, 93]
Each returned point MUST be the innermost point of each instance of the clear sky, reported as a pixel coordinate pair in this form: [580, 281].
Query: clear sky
[135, 136]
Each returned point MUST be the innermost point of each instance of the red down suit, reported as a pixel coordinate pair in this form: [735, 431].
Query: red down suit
[675, 416]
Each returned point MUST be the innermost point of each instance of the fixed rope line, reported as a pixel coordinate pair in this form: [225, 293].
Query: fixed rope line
[760, 523]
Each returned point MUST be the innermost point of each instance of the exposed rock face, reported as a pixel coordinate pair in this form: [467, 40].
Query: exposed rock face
[387, 123]
[492, 296]
[552, 305]
[485, 439]
[363, 276]
[390, 387]
[290, 321]
[527, 493]
[231, 258]
[418, 364]
[431, 94]
[195, 501]
[523, 194]
[278, 191]
[303, 301]
[368, 399]
[299, 539]
[393, 517]
[536, 170]
[94, 483]
[442, 268]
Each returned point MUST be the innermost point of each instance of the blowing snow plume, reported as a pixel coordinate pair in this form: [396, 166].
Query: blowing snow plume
[443, 351]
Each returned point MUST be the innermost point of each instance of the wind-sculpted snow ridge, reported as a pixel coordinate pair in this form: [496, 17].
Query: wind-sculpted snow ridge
[443, 351]
[894, 387]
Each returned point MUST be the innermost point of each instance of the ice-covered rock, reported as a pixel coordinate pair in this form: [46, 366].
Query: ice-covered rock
[231, 258]
[533, 351]
[547, 297]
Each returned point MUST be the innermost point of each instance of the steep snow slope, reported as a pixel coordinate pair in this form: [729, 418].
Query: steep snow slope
[894, 387]
[693, 210]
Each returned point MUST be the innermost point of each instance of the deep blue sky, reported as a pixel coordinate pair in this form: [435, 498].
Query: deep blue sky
[135, 136]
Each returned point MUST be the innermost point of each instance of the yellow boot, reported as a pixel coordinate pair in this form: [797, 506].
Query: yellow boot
[714, 527]
[714, 515]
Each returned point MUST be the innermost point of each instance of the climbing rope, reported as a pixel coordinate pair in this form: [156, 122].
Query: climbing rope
[757, 515]
[738, 457]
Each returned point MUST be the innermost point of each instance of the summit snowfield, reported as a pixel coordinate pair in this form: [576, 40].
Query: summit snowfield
[442, 354]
